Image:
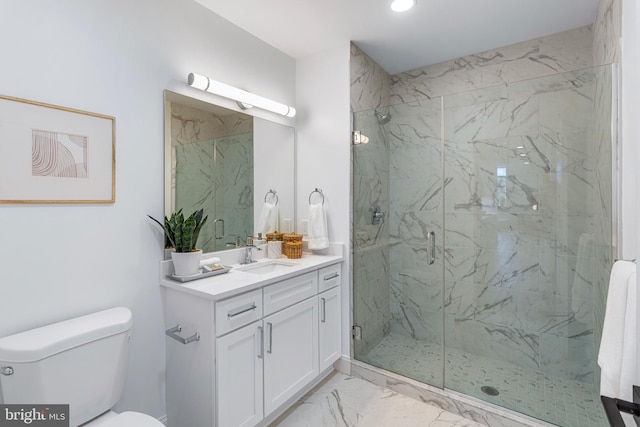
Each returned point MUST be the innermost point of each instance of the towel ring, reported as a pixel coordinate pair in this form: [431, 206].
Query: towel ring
[274, 195]
[317, 190]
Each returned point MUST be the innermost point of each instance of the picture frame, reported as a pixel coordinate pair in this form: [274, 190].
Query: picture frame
[55, 154]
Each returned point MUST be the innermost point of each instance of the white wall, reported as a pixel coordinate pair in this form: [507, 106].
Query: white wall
[113, 57]
[324, 151]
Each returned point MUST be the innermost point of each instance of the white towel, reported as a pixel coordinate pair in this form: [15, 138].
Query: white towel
[618, 356]
[268, 221]
[210, 260]
[318, 234]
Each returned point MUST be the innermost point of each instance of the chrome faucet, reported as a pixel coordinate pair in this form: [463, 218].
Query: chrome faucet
[248, 254]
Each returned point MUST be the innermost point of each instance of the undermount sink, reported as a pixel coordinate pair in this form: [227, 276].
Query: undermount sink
[265, 267]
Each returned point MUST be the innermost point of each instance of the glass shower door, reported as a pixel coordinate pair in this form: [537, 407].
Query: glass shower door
[217, 175]
[397, 264]
[528, 243]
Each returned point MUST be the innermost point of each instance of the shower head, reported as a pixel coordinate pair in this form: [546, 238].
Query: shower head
[383, 119]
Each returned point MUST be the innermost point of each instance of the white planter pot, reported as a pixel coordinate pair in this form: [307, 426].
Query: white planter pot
[186, 263]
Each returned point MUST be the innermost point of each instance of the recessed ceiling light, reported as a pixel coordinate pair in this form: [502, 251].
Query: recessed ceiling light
[402, 5]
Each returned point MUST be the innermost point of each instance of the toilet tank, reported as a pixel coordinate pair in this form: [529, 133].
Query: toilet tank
[81, 362]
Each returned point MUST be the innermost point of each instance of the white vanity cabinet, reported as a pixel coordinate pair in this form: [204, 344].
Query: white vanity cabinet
[239, 375]
[329, 279]
[290, 338]
[263, 348]
[239, 368]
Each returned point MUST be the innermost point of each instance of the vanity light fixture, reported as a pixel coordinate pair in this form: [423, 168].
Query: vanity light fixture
[402, 5]
[242, 97]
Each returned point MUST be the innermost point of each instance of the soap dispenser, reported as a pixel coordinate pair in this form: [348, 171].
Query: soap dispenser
[261, 243]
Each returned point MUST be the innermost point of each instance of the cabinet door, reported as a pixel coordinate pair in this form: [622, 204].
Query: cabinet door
[329, 307]
[239, 371]
[291, 352]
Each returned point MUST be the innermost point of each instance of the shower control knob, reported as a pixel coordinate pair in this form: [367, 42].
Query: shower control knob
[6, 370]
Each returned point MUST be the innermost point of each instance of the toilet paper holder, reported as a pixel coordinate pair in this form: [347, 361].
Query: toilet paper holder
[173, 333]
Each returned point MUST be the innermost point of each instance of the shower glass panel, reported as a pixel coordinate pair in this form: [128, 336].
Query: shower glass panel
[516, 183]
[217, 175]
[398, 292]
[528, 243]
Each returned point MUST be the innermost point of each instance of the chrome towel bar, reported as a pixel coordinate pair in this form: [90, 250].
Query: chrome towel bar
[173, 333]
[275, 196]
[317, 190]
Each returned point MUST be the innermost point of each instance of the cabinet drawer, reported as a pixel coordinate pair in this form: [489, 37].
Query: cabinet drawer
[329, 277]
[238, 311]
[289, 292]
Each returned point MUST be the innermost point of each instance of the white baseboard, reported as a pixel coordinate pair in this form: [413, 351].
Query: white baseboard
[343, 365]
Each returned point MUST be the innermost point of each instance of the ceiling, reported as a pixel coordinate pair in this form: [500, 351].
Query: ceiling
[432, 32]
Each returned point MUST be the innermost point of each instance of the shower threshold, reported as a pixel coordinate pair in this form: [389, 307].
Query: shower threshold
[525, 396]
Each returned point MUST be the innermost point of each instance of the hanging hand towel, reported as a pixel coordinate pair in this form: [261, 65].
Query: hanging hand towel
[268, 221]
[618, 356]
[318, 237]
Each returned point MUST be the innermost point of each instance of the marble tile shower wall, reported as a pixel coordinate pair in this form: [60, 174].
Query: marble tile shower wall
[603, 240]
[521, 285]
[519, 274]
[416, 209]
[520, 214]
[197, 171]
[370, 181]
[233, 180]
[217, 175]
[557, 53]
[607, 30]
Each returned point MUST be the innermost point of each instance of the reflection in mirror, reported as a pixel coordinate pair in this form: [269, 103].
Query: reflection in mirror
[209, 164]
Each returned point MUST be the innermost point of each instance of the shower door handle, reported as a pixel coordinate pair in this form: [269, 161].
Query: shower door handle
[431, 247]
[215, 228]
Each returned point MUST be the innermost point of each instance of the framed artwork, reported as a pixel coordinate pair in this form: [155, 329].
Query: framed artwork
[53, 154]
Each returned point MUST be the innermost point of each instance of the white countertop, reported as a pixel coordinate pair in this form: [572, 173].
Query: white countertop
[236, 282]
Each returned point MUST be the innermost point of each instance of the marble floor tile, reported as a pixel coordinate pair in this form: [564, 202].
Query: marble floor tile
[350, 402]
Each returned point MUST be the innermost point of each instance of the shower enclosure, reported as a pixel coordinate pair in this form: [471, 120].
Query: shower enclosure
[487, 269]
[217, 175]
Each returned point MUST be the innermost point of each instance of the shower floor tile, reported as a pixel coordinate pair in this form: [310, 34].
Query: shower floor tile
[560, 401]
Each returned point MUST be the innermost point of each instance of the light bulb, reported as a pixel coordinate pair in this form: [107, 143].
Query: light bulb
[402, 5]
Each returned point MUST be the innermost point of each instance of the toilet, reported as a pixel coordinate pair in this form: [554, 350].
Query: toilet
[81, 362]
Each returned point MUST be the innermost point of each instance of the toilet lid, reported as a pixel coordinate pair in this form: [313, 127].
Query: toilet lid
[132, 419]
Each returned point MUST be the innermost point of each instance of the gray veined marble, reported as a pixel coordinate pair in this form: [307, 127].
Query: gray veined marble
[369, 82]
[547, 56]
[607, 33]
[506, 155]
[352, 402]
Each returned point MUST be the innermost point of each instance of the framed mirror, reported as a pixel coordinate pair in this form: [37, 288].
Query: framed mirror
[228, 163]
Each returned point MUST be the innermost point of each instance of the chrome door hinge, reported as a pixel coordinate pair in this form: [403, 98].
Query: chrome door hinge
[356, 333]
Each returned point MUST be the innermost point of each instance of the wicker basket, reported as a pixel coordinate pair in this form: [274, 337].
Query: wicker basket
[292, 237]
[293, 249]
[288, 246]
[275, 237]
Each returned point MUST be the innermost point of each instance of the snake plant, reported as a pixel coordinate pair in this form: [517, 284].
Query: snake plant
[183, 233]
